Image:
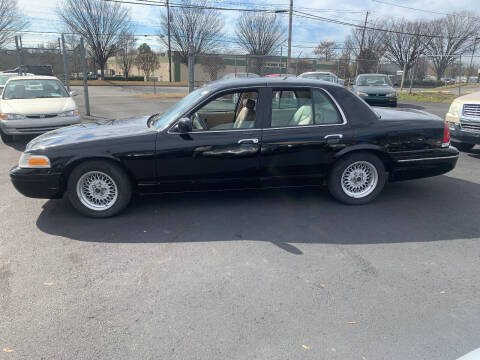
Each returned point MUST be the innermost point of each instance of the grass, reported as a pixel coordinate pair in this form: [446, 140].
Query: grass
[453, 86]
[161, 96]
[126, 83]
[427, 96]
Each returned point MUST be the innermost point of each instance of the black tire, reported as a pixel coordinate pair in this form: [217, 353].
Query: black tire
[115, 173]
[6, 138]
[337, 171]
[463, 146]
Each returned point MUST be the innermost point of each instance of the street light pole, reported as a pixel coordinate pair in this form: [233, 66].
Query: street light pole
[290, 16]
[169, 52]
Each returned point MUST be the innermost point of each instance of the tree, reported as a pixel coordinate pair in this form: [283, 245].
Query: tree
[126, 53]
[368, 55]
[212, 64]
[401, 47]
[192, 27]
[453, 35]
[11, 21]
[146, 60]
[259, 33]
[325, 49]
[101, 23]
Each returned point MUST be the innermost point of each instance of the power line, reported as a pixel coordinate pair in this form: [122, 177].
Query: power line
[423, 10]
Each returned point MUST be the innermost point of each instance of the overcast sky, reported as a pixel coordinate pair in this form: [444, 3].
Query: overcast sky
[306, 33]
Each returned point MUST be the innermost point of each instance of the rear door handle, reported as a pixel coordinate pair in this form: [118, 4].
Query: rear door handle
[248, 141]
[333, 138]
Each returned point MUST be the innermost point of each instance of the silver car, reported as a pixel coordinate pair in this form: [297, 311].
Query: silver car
[34, 105]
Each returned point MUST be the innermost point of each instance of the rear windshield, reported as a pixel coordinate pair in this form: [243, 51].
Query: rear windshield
[34, 89]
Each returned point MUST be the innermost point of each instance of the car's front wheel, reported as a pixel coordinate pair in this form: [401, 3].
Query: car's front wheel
[99, 189]
[463, 146]
[357, 178]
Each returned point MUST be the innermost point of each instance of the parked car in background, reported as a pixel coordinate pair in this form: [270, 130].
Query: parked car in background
[323, 75]
[239, 75]
[375, 89]
[34, 105]
[463, 119]
[45, 70]
[279, 132]
[92, 76]
[280, 75]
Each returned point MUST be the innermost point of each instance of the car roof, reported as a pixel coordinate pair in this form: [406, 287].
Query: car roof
[318, 72]
[33, 77]
[372, 75]
[266, 81]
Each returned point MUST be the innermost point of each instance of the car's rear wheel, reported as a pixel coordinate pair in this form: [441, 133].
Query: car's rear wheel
[463, 146]
[357, 178]
[99, 189]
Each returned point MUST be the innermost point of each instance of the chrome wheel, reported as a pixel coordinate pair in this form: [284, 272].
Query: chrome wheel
[97, 191]
[359, 179]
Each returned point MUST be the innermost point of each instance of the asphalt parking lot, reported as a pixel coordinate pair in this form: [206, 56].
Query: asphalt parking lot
[275, 274]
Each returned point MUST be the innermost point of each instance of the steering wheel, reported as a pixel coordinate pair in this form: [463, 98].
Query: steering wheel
[198, 122]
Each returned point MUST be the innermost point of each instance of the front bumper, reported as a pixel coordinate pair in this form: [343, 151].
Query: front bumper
[466, 134]
[36, 126]
[380, 100]
[37, 183]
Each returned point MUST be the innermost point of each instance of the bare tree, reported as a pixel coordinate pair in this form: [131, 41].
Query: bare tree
[100, 22]
[126, 53]
[326, 49]
[260, 33]
[212, 64]
[192, 26]
[146, 60]
[371, 51]
[453, 35]
[406, 42]
[11, 21]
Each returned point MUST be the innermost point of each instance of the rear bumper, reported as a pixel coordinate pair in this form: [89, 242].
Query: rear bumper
[458, 134]
[36, 183]
[36, 126]
[420, 164]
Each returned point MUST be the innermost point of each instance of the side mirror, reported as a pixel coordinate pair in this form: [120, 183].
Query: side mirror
[184, 125]
[73, 93]
[395, 84]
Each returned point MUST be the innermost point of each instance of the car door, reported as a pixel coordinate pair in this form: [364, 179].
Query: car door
[304, 146]
[223, 148]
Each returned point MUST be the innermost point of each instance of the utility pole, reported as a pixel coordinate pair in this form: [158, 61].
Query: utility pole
[19, 61]
[65, 64]
[290, 16]
[470, 68]
[169, 52]
[85, 76]
[362, 41]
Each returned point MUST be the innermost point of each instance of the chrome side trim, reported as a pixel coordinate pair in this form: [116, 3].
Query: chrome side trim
[426, 159]
[340, 136]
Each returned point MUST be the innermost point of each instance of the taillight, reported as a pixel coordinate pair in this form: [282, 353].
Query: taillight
[446, 135]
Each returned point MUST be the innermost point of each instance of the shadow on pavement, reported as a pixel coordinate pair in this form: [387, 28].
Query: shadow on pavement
[19, 142]
[423, 210]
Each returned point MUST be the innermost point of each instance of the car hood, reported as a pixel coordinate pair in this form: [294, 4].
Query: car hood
[374, 89]
[404, 114]
[37, 106]
[87, 132]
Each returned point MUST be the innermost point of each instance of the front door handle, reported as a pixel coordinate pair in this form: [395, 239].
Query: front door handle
[248, 141]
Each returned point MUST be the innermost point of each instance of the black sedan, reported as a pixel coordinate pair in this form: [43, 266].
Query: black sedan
[278, 132]
[375, 89]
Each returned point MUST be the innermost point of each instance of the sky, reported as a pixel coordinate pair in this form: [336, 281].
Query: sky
[305, 35]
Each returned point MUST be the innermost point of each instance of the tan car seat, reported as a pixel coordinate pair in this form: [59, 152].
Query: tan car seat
[246, 116]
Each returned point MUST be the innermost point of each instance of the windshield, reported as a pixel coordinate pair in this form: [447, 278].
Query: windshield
[162, 120]
[324, 77]
[374, 80]
[34, 89]
[4, 78]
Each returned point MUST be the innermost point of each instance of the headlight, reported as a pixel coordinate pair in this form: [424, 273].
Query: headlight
[360, 93]
[393, 94]
[12, 116]
[68, 113]
[32, 161]
[455, 109]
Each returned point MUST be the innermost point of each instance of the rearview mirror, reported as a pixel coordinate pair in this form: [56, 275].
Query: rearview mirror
[184, 125]
[73, 93]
